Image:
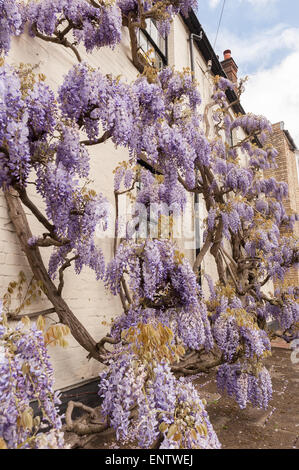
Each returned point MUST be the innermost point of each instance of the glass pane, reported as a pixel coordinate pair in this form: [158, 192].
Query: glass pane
[162, 44]
[158, 61]
[154, 34]
[143, 42]
[148, 25]
[145, 45]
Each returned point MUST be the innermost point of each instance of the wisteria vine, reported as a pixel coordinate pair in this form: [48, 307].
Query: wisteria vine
[169, 327]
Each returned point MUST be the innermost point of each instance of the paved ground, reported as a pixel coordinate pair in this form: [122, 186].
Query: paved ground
[276, 428]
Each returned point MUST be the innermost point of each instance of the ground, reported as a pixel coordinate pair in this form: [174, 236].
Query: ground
[275, 428]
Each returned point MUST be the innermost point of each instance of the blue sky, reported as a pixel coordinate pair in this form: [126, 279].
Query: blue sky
[264, 38]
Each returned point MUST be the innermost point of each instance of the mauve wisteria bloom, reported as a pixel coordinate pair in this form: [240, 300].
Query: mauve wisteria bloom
[245, 386]
[26, 375]
[130, 382]
[11, 22]
[94, 27]
[14, 132]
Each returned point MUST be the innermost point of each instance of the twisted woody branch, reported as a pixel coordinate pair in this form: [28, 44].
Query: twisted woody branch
[65, 315]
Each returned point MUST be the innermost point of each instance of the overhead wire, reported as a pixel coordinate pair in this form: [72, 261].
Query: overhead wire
[219, 24]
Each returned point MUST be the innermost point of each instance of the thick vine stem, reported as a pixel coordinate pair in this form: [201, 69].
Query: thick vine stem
[65, 315]
[58, 39]
[94, 426]
[195, 368]
[204, 250]
[100, 140]
[101, 347]
[137, 58]
[32, 207]
[126, 291]
[48, 311]
[65, 265]
[80, 428]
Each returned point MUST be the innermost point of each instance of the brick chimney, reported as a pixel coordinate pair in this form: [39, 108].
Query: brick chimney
[229, 66]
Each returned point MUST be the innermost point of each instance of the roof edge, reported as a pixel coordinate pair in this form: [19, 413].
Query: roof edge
[291, 140]
[208, 53]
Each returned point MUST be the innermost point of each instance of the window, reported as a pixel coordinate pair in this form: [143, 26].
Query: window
[152, 39]
[231, 139]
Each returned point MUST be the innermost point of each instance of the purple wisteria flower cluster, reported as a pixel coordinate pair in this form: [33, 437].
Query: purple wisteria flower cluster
[93, 26]
[163, 12]
[145, 117]
[177, 418]
[235, 330]
[11, 22]
[14, 145]
[164, 289]
[28, 140]
[245, 386]
[26, 375]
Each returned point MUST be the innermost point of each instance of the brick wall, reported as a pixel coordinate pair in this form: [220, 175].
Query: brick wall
[287, 172]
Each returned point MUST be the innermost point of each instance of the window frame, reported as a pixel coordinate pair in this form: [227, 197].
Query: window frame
[164, 57]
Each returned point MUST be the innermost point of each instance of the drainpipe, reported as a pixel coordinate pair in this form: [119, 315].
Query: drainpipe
[191, 38]
[196, 196]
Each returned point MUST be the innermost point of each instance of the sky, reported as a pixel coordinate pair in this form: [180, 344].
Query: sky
[263, 36]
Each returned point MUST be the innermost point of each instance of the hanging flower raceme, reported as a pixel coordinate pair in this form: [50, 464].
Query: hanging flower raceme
[252, 123]
[245, 384]
[235, 332]
[29, 124]
[11, 22]
[139, 377]
[26, 375]
[14, 144]
[156, 119]
[76, 213]
[165, 289]
[159, 265]
[93, 26]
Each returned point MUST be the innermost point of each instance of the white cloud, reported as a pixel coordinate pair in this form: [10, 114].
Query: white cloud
[261, 47]
[273, 56]
[273, 88]
[254, 3]
[214, 3]
[274, 92]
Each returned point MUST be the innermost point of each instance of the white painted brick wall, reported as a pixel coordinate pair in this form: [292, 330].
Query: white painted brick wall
[87, 297]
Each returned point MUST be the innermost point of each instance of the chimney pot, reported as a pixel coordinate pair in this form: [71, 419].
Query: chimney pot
[229, 66]
[227, 54]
